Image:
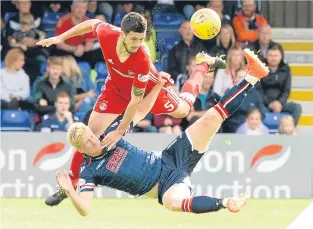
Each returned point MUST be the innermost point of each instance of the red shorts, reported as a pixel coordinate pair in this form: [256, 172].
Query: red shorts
[110, 102]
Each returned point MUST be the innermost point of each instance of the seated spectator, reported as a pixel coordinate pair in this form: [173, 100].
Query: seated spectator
[55, 7]
[247, 22]
[224, 78]
[62, 118]
[182, 78]
[205, 100]
[167, 124]
[224, 41]
[264, 42]
[15, 87]
[276, 86]
[145, 125]
[218, 7]
[181, 52]
[253, 101]
[82, 47]
[150, 39]
[27, 37]
[287, 125]
[52, 84]
[253, 124]
[85, 96]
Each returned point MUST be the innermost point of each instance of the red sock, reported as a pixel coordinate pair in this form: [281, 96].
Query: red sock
[77, 160]
[191, 87]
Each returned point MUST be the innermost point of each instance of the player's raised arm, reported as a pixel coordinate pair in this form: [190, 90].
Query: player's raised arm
[81, 28]
[82, 201]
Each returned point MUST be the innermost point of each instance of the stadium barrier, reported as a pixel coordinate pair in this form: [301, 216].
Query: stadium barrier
[262, 166]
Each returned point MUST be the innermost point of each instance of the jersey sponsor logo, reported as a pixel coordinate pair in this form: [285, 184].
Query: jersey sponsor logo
[122, 74]
[143, 78]
[100, 164]
[116, 160]
[82, 168]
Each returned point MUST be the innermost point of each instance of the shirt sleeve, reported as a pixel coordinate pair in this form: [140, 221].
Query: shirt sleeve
[141, 79]
[87, 182]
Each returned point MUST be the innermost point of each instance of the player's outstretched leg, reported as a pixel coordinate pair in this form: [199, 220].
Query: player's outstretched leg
[191, 87]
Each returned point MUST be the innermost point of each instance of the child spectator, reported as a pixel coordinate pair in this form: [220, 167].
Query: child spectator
[287, 125]
[253, 124]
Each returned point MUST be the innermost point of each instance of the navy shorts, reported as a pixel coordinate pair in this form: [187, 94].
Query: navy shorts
[178, 162]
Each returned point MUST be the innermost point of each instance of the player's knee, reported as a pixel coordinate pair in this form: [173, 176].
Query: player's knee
[181, 114]
[173, 205]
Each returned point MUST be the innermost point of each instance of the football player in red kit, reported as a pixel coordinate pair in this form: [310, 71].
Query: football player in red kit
[130, 78]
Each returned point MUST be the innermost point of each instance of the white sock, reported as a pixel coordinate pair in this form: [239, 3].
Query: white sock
[251, 79]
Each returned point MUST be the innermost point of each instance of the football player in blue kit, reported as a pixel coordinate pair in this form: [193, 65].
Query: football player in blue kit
[167, 178]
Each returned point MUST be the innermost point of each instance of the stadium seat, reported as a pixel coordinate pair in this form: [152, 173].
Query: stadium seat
[8, 15]
[118, 19]
[85, 66]
[50, 34]
[15, 120]
[166, 40]
[43, 67]
[158, 66]
[164, 60]
[50, 20]
[80, 115]
[1, 64]
[271, 120]
[101, 70]
[99, 85]
[168, 20]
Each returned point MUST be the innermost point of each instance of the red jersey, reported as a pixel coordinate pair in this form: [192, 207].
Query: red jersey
[64, 24]
[122, 75]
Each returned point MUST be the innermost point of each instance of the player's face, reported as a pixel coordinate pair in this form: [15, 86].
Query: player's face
[132, 41]
[274, 57]
[54, 71]
[62, 105]
[91, 144]
[254, 120]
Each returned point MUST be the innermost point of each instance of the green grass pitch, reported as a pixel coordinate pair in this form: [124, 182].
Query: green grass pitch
[147, 214]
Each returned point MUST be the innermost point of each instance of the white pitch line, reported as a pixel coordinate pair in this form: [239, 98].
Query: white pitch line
[304, 220]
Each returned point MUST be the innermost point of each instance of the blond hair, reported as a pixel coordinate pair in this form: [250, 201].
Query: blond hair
[54, 60]
[75, 134]
[232, 39]
[11, 56]
[71, 68]
[26, 19]
[229, 61]
[286, 118]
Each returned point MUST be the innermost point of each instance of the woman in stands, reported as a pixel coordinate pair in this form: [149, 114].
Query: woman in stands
[86, 96]
[15, 87]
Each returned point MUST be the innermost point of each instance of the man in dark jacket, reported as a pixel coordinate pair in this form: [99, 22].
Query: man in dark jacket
[265, 42]
[276, 87]
[182, 51]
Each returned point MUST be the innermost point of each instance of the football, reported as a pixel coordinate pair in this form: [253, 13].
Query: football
[205, 23]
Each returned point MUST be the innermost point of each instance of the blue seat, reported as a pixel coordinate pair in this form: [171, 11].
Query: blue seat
[50, 33]
[80, 115]
[84, 65]
[99, 85]
[164, 62]
[50, 20]
[118, 19]
[1, 64]
[101, 70]
[168, 20]
[166, 40]
[271, 120]
[158, 66]
[8, 15]
[15, 120]
[90, 15]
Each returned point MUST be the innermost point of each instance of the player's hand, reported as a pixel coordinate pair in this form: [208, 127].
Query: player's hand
[163, 78]
[64, 181]
[68, 115]
[276, 106]
[111, 139]
[79, 51]
[50, 41]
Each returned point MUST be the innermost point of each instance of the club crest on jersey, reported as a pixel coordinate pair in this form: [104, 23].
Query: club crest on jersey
[143, 78]
[103, 106]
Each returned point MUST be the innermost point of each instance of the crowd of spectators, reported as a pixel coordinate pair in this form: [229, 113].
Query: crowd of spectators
[63, 89]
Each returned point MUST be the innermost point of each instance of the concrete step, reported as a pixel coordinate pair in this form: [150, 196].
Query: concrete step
[301, 95]
[306, 120]
[305, 130]
[296, 45]
[307, 107]
[302, 82]
[301, 69]
[292, 33]
[299, 57]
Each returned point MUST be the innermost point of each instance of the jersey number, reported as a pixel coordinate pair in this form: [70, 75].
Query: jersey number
[169, 106]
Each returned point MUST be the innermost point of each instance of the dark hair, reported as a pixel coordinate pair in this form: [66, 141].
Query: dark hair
[133, 22]
[275, 47]
[254, 110]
